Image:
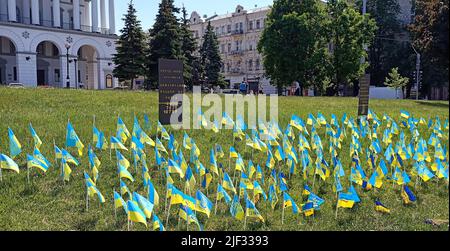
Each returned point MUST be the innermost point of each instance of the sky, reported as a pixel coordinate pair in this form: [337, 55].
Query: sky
[147, 9]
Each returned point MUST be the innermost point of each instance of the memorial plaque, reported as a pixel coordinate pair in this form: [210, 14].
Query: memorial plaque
[364, 86]
[171, 82]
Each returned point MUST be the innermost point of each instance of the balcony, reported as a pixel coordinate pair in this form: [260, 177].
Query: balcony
[237, 52]
[237, 32]
[236, 71]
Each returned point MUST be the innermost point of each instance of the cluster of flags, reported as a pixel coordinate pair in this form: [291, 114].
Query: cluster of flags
[382, 152]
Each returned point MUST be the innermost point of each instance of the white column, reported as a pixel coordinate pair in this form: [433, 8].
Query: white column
[3, 10]
[12, 14]
[76, 14]
[94, 21]
[26, 11]
[56, 13]
[35, 12]
[112, 18]
[102, 15]
[87, 13]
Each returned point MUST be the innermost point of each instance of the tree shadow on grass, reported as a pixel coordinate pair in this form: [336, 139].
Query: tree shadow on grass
[433, 104]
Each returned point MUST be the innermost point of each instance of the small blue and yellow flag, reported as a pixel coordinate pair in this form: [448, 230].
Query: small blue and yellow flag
[8, 164]
[119, 202]
[251, 211]
[15, 148]
[135, 213]
[236, 209]
[289, 202]
[227, 183]
[221, 193]
[117, 144]
[407, 195]
[147, 206]
[34, 162]
[157, 224]
[202, 203]
[122, 130]
[72, 139]
[379, 207]
[98, 139]
[37, 140]
[92, 188]
[123, 173]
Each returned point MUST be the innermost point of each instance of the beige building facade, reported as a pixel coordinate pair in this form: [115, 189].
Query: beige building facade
[238, 34]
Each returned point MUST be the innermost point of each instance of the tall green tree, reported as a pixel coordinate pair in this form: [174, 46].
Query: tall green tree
[349, 32]
[430, 31]
[164, 40]
[294, 44]
[188, 49]
[129, 58]
[385, 47]
[210, 58]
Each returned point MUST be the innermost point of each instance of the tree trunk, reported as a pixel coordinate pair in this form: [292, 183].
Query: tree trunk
[132, 84]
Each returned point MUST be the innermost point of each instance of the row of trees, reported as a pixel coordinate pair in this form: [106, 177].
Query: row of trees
[169, 38]
[320, 45]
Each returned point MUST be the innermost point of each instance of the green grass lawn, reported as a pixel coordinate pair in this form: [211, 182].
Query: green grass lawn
[47, 204]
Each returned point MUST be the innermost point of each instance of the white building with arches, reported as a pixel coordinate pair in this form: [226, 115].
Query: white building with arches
[43, 47]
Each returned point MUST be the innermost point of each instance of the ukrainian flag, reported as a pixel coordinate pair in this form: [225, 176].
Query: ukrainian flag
[202, 203]
[240, 164]
[227, 121]
[176, 196]
[15, 148]
[38, 155]
[58, 152]
[381, 208]
[121, 160]
[124, 189]
[273, 198]
[404, 114]
[160, 146]
[119, 202]
[98, 139]
[66, 171]
[227, 183]
[257, 190]
[308, 209]
[188, 215]
[122, 130]
[407, 195]
[92, 189]
[143, 203]
[37, 140]
[116, 144]
[72, 139]
[289, 202]
[123, 173]
[157, 224]
[270, 163]
[252, 211]
[135, 214]
[213, 162]
[345, 200]
[145, 139]
[164, 133]
[236, 209]
[33, 162]
[8, 163]
[175, 168]
[221, 193]
[206, 179]
[69, 158]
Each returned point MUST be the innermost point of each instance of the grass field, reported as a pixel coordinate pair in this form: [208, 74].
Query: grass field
[47, 204]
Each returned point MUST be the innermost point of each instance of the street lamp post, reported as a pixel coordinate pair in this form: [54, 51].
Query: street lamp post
[417, 71]
[76, 73]
[67, 59]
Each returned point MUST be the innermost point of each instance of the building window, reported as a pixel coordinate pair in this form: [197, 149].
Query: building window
[217, 31]
[250, 25]
[229, 47]
[258, 24]
[57, 75]
[15, 73]
[241, 26]
[236, 27]
[109, 81]
[250, 65]
[223, 29]
[257, 64]
[237, 45]
[229, 28]
[250, 47]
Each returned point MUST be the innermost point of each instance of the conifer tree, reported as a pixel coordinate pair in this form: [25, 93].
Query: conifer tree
[129, 59]
[210, 58]
[164, 39]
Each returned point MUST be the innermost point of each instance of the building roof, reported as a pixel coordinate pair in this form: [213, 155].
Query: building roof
[230, 14]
